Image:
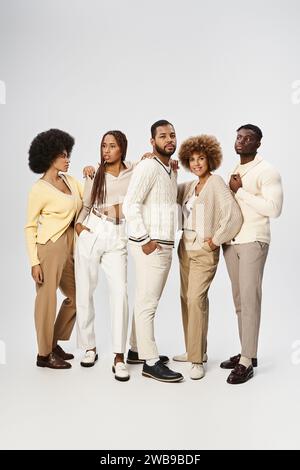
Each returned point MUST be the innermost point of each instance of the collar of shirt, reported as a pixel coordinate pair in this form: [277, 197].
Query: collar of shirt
[129, 167]
[243, 169]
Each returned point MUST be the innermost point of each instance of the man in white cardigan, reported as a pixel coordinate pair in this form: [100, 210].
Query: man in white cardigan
[258, 191]
[151, 212]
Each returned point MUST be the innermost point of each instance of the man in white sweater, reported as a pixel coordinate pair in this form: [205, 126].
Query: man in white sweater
[258, 191]
[151, 212]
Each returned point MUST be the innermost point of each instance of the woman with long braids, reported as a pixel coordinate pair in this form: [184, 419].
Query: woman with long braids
[102, 240]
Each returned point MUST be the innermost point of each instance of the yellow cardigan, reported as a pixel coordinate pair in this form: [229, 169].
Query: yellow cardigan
[49, 213]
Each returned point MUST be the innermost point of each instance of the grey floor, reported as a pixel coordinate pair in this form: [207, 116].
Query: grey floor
[87, 408]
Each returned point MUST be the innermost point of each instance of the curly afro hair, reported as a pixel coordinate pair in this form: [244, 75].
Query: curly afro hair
[46, 146]
[206, 145]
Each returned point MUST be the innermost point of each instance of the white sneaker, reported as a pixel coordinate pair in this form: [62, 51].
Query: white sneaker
[181, 357]
[121, 372]
[89, 359]
[197, 371]
[184, 358]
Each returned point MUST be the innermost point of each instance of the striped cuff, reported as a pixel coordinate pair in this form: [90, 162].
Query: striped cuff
[141, 240]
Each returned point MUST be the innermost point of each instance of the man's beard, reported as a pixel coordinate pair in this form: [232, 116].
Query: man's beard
[163, 152]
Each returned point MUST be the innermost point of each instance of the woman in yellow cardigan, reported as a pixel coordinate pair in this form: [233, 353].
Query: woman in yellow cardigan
[211, 217]
[54, 202]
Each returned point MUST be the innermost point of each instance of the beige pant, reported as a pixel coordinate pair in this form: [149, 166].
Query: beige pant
[151, 275]
[197, 270]
[57, 264]
[245, 264]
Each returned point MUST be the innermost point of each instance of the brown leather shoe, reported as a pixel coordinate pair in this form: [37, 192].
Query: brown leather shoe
[240, 374]
[62, 354]
[234, 360]
[52, 361]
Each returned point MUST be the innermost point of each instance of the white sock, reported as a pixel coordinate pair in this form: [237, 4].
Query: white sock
[245, 361]
[151, 362]
[133, 348]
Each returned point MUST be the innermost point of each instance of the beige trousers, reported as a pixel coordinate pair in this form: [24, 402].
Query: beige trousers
[245, 264]
[197, 270]
[57, 264]
[151, 275]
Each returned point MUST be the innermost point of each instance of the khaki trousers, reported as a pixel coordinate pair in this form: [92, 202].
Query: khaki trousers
[151, 275]
[57, 264]
[245, 264]
[197, 270]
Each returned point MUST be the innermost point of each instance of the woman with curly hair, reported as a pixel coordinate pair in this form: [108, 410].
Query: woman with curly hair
[102, 240]
[54, 202]
[211, 217]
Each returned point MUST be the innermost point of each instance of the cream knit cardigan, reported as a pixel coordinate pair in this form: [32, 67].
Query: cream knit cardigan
[260, 198]
[215, 213]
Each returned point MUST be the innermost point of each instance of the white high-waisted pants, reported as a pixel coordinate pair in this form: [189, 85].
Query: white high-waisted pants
[105, 244]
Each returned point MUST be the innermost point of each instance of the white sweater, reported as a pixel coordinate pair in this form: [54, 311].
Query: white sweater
[260, 197]
[150, 203]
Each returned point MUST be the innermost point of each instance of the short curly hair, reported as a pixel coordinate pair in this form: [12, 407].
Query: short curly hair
[206, 145]
[45, 148]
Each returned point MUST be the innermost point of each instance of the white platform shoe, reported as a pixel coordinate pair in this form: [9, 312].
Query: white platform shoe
[121, 372]
[89, 359]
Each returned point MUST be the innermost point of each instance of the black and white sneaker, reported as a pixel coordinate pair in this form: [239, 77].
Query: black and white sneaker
[161, 372]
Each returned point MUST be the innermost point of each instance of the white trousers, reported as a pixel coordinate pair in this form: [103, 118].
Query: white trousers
[151, 276]
[105, 244]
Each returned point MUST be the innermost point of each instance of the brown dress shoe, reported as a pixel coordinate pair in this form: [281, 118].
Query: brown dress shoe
[240, 374]
[52, 361]
[234, 360]
[62, 354]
